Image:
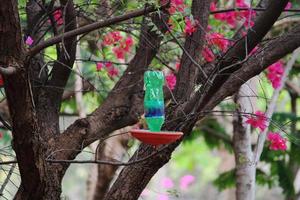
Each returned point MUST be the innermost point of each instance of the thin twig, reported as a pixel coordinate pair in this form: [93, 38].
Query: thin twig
[106, 162]
[271, 108]
[92, 27]
[7, 179]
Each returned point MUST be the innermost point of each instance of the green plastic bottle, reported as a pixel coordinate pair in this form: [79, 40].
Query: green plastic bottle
[154, 100]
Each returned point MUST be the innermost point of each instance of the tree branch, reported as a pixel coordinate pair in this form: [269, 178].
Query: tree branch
[270, 53]
[123, 106]
[237, 54]
[91, 27]
[271, 107]
[143, 172]
[188, 71]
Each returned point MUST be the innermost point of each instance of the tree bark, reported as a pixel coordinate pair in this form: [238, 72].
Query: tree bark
[245, 181]
[39, 179]
[115, 147]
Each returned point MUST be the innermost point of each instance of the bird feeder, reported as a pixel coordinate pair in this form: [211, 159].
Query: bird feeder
[154, 112]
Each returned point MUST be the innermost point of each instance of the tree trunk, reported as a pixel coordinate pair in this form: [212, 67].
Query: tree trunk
[245, 180]
[39, 179]
[116, 148]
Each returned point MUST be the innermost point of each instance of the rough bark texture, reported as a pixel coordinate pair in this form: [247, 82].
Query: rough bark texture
[188, 72]
[49, 97]
[245, 182]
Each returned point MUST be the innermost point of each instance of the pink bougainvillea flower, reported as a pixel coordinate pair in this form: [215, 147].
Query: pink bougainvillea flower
[119, 52]
[219, 16]
[248, 15]
[111, 38]
[127, 44]
[288, 6]
[186, 181]
[171, 81]
[277, 142]
[167, 183]
[177, 2]
[116, 35]
[231, 17]
[112, 72]
[241, 4]
[177, 5]
[275, 73]
[58, 17]
[208, 54]
[219, 40]
[107, 40]
[162, 197]
[172, 10]
[99, 66]
[213, 6]
[190, 26]
[108, 64]
[29, 41]
[259, 120]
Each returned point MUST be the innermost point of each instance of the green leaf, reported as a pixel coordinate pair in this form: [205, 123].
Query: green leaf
[264, 179]
[285, 179]
[225, 180]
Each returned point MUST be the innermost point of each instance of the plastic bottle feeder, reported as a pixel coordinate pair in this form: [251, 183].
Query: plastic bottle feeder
[154, 112]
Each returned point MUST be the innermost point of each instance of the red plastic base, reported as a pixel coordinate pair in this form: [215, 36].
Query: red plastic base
[155, 138]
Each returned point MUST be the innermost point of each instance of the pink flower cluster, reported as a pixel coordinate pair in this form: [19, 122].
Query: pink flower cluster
[214, 39]
[207, 54]
[177, 5]
[275, 73]
[58, 17]
[167, 183]
[186, 181]
[190, 26]
[259, 120]
[121, 45]
[171, 81]
[111, 38]
[111, 70]
[231, 17]
[277, 142]
[218, 40]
